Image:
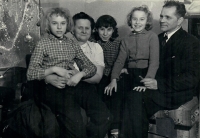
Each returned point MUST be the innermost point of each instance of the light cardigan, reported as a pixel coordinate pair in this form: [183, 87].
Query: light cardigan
[140, 50]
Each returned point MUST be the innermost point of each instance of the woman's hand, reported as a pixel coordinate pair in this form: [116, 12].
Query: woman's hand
[62, 72]
[109, 88]
[140, 88]
[74, 80]
[74, 72]
[150, 83]
[124, 70]
[56, 81]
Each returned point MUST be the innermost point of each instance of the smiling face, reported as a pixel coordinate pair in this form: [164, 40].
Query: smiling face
[58, 25]
[82, 30]
[105, 33]
[138, 21]
[169, 21]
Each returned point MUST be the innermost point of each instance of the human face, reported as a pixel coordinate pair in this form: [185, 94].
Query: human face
[58, 25]
[105, 33]
[82, 30]
[169, 21]
[138, 21]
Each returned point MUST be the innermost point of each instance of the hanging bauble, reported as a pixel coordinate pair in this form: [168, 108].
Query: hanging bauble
[28, 38]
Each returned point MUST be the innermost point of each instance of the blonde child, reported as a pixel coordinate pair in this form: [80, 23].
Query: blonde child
[140, 49]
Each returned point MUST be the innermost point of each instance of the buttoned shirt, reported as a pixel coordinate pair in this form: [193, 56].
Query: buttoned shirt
[50, 51]
[110, 51]
[140, 50]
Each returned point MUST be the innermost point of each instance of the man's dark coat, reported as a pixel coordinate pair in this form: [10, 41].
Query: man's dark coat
[178, 73]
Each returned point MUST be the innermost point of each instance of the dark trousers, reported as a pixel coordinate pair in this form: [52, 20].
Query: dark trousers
[115, 101]
[135, 117]
[134, 79]
[96, 110]
[67, 111]
[66, 103]
[136, 113]
[138, 109]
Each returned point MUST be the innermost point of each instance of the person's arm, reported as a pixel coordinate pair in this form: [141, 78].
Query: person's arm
[87, 68]
[119, 64]
[35, 71]
[153, 56]
[84, 64]
[97, 77]
[98, 60]
[56, 81]
[189, 65]
[120, 61]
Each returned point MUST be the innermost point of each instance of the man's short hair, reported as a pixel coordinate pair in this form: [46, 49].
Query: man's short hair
[180, 7]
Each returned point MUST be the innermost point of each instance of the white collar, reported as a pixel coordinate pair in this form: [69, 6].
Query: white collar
[86, 44]
[170, 34]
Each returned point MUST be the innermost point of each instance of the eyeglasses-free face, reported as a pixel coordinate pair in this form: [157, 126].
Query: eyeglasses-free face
[58, 25]
[82, 30]
[105, 33]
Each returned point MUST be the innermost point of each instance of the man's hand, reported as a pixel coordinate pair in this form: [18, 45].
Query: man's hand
[150, 83]
[109, 88]
[56, 81]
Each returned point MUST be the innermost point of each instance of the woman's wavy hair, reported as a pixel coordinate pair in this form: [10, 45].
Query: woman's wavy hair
[106, 21]
[145, 9]
[58, 12]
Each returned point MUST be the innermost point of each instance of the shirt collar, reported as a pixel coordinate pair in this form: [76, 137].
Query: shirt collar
[52, 37]
[86, 44]
[170, 34]
[135, 33]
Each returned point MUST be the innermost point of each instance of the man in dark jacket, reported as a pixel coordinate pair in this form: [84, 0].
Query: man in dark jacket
[177, 77]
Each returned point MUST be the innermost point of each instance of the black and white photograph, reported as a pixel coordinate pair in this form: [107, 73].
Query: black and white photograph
[99, 68]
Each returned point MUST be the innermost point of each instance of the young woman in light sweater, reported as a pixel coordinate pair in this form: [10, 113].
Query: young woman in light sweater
[140, 49]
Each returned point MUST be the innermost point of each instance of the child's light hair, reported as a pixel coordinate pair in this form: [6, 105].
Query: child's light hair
[145, 9]
[58, 12]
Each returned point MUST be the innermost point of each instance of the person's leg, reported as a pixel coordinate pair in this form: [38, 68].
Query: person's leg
[63, 105]
[96, 110]
[105, 81]
[138, 108]
[115, 102]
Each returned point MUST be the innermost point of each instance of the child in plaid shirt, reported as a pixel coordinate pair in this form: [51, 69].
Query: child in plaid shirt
[56, 54]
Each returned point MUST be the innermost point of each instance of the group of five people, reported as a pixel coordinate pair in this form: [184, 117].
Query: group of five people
[119, 83]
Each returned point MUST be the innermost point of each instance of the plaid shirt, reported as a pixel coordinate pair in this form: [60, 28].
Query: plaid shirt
[110, 50]
[51, 51]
